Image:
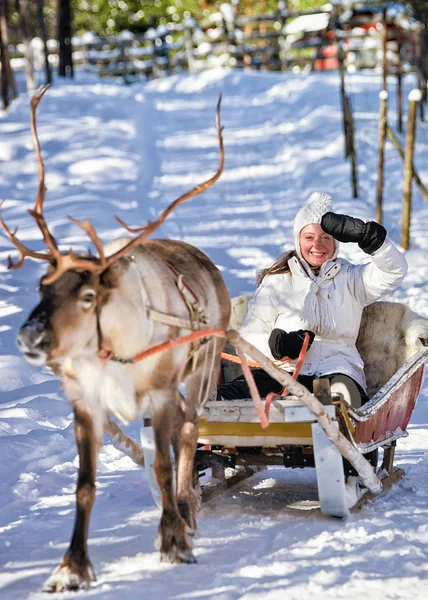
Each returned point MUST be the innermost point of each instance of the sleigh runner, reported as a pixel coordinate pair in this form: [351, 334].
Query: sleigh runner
[391, 336]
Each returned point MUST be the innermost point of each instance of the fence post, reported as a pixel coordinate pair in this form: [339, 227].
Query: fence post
[399, 85]
[282, 7]
[351, 144]
[425, 54]
[415, 96]
[228, 13]
[340, 59]
[420, 70]
[384, 50]
[383, 122]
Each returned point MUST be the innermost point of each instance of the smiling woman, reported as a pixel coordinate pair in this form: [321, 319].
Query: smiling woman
[310, 290]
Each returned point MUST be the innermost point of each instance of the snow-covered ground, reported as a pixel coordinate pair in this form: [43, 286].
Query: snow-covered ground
[111, 149]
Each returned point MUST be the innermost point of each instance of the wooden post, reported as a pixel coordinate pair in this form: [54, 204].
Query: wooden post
[420, 70]
[425, 58]
[383, 122]
[351, 152]
[415, 96]
[399, 85]
[322, 391]
[188, 27]
[282, 7]
[384, 50]
[340, 58]
[421, 104]
[227, 11]
[248, 10]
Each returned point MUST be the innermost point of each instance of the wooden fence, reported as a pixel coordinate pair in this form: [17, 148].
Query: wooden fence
[279, 41]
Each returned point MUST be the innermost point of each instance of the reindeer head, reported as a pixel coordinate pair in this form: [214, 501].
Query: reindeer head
[73, 291]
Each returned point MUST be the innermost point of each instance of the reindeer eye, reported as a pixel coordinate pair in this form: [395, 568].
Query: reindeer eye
[87, 298]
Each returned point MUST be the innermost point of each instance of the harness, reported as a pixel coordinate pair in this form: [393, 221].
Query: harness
[197, 320]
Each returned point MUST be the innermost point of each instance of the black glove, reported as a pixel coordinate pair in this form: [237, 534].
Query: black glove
[283, 344]
[369, 236]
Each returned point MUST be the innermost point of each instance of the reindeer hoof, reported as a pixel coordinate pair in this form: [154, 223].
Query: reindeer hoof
[67, 578]
[179, 556]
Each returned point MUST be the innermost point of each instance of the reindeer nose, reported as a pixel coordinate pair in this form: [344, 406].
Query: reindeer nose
[31, 340]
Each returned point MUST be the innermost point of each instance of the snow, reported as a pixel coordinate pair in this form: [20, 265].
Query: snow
[111, 149]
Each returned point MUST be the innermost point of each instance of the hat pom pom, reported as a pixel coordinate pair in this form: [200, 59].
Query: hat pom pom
[320, 197]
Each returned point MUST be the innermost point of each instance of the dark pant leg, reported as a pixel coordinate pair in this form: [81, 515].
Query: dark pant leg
[238, 388]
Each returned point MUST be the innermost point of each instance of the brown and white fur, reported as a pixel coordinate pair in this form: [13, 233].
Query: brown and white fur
[390, 333]
[62, 333]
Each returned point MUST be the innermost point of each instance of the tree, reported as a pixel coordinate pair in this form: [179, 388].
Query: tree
[8, 89]
[64, 39]
[43, 35]
[24, 22]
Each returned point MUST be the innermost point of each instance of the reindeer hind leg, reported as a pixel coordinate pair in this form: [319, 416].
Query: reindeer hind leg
[186, 442]
[199, 386]
[175, 544]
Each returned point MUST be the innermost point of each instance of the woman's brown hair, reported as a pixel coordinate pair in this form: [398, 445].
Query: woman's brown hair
[278, 267]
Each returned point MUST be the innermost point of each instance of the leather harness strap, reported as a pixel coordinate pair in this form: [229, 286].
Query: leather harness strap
[196, 322]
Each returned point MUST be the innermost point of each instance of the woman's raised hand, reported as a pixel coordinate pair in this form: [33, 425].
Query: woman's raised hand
[369, 236]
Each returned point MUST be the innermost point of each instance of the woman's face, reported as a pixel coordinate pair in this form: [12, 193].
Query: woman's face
[316, 246]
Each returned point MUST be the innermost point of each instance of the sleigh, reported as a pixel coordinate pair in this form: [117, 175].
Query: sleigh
[393, 344]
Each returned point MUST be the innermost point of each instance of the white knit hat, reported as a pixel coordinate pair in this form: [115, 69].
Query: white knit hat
[317, 205]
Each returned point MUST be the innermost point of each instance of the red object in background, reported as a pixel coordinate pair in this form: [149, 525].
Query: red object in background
[328, 59]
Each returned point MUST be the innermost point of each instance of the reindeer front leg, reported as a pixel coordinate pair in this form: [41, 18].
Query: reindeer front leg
[174, 540]
[75, 571]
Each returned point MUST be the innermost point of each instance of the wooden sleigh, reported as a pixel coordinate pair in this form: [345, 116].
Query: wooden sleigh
[393, 344]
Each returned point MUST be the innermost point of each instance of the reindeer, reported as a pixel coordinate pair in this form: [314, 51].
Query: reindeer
[98, 312]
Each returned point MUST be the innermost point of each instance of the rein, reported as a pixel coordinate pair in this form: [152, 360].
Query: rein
[262, 411]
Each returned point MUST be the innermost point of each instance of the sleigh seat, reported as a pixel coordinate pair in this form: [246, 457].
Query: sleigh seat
[393, 342]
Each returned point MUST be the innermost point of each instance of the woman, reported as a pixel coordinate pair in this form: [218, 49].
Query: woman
[311, 290]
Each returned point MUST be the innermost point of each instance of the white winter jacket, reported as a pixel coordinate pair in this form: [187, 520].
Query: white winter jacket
[345, 287]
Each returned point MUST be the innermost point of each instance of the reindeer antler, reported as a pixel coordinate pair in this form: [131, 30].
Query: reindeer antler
[69, 261]
[37, 213]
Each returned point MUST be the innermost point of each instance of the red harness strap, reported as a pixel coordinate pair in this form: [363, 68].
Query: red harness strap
[185, 339]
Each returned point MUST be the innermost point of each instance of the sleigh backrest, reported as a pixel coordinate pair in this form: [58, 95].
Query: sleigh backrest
[390, 333]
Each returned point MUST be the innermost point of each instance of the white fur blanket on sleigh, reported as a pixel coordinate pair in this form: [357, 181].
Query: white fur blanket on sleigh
[390, 333]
